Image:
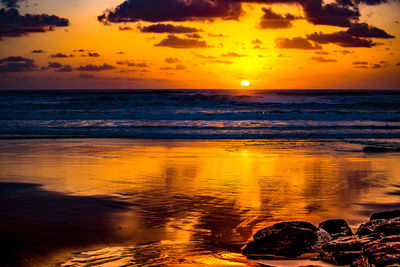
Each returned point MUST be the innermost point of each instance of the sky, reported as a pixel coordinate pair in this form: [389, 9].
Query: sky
[199, 44]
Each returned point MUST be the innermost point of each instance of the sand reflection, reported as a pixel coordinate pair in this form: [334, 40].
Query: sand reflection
[213, 194]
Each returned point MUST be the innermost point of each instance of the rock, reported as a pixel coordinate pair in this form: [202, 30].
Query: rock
[368, 227]
[390, 228]
[287, 240]
[383, 252]
[379, 219]
[344, 250]
[386, 215]
[336, 228]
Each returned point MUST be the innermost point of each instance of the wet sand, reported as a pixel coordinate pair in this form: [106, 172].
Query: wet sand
[36, 224]
[180, 202]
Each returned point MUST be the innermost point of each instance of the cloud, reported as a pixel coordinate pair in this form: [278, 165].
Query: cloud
[132, 64]
[360, 63]
[256, 41]
[272, 20]
[12, 24]
[172, 60]
[91, 67]
[377, 66]
[125, 28]
[202, 56]
[323, 60]
[171, 10]
[60, 55]
[10, 3]
[332, 14]
[232, 54]
[38, 51]
[17, 64]
[176, 42]
[365, 30]
[167, 28]
[194, 36]
[54, 65]
[227, 62]
[341, 38]
[180, 67]
[296, 43]
[322, 53]
[94, 54]
[64, 68]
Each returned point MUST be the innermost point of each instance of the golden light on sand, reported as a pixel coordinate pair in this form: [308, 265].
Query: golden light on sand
[245, 83]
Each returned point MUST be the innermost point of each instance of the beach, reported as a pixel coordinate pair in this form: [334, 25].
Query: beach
[171, 202]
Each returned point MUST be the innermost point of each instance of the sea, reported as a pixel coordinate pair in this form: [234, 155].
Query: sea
[198, 171]
[201, 114]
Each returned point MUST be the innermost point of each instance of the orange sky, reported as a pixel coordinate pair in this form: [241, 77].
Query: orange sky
[217, 53]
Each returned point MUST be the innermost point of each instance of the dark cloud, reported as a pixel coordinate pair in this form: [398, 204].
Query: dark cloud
[272, 20]
[12, 24]
[11, 3]
[65, 68]
[194, 36]
[332, 14]
[58, 67]
[398, 64]
[296, 43]
[54, 65]
[365, 30]
[167, 28]
[341, 38]
[120, 53]
[233, 54]
[60, 55]
[377, 66]
[360, 63]
[323, 60]
[132, 64]
[125, 28]
[94, 54]
[38, 51]
[91, 67]
[176, 42]
[17, 64]
[171, 10]
[172, 60]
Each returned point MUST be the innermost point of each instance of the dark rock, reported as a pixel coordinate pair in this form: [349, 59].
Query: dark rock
[344, 250]
[377, 220]
[383, 252]
[386, 215]
[336, 228]
[288, 240]
[388, 229]
[368, 227]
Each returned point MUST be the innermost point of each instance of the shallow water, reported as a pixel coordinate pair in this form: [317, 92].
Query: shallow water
[199, 202]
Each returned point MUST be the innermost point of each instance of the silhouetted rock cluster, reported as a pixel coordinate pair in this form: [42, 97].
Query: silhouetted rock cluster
[376, 242]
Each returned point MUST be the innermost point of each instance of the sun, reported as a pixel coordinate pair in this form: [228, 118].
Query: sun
[245, 83]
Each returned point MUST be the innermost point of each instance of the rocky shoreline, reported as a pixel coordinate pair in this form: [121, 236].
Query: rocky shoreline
[376, 242]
